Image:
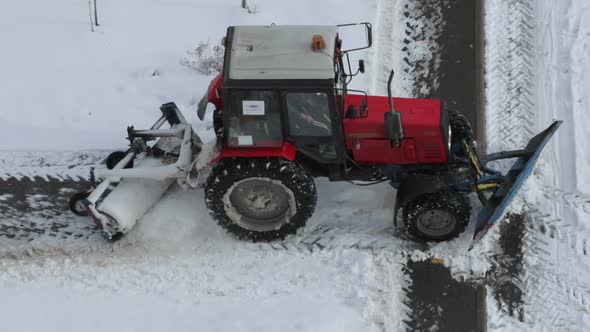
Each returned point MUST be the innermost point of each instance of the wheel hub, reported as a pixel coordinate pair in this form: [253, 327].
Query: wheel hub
[436, 222]
[260, 204]
[80, 206]
[260, 199]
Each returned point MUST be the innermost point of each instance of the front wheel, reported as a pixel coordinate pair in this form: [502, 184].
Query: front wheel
[260, 199]
[438, 216]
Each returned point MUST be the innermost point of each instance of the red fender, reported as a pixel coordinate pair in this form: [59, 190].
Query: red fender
[286, 151]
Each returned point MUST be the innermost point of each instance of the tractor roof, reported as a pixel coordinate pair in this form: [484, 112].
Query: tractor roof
[281, 52]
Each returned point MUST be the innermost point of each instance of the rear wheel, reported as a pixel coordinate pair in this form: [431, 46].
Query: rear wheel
[111, 233]
[76, 205]
[437, 216]
[260, 199]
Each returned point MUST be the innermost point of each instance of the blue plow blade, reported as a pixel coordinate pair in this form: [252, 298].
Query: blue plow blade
[512, 181]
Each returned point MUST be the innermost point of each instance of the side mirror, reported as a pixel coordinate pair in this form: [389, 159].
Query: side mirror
[362, 66]
[393, 126]
[351, 32]
[369, 32]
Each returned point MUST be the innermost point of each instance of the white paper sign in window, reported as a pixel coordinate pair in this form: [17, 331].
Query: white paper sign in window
[253, 107]
[245, 140]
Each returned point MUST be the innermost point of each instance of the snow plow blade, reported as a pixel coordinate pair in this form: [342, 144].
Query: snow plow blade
[510, 183]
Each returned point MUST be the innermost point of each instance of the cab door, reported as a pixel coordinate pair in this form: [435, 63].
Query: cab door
[253, 119]
[311, 124]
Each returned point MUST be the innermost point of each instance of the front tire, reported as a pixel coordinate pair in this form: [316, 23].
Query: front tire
[260, 199]
[438, 216]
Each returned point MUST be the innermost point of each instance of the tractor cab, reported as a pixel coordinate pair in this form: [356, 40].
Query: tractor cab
[278, 88]
[282, 85]
[285, 87]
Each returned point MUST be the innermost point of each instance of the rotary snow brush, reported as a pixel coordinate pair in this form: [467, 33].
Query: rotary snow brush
[135, 180]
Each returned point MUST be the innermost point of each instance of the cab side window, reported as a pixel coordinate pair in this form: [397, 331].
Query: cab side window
[255, 119]
[309, 114]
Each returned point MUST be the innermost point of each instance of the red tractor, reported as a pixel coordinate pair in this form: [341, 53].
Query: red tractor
[284, 115]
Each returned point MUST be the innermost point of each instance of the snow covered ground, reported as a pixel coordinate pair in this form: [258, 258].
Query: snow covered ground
[538, 70]
[183, 271]
[64, 87]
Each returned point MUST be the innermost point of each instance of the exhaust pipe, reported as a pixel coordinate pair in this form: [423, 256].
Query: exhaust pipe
[393, 119]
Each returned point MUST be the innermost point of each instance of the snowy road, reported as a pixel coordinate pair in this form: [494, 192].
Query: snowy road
[178, 261]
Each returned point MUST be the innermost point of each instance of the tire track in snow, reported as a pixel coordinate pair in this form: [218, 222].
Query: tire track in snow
[520, 94]
[575, 200]
[509, 61]
[555, 245]
[384, 45]
[555, 297]
[60, 165]
[424, 25]
[558, 36]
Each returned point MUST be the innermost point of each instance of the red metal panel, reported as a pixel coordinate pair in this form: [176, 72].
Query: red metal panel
[420, 117]
[287, 151]
[378, 151]
[423, 141]
[431, 150]
[214, 92]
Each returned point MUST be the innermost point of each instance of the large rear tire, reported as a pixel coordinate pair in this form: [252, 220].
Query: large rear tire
[438, 216]
[260, 199]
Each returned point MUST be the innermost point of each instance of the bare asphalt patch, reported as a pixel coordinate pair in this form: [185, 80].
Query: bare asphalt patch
[31, 208]
[438, 301]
